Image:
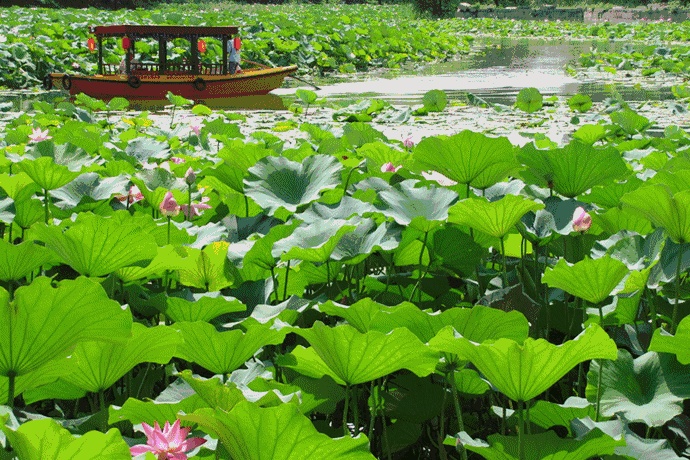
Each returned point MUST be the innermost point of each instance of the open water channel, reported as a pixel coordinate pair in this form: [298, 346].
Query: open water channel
[495, 72]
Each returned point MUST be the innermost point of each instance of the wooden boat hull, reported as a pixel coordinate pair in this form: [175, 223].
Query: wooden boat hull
[149, 86]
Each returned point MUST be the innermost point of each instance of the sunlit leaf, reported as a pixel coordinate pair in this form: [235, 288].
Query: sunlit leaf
[493, 218]
[590, 279]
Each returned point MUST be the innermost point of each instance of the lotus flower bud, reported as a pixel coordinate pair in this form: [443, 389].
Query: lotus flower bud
[408, 143]
[169, 206]
[389, 167]
[581, 220]
[190, 176]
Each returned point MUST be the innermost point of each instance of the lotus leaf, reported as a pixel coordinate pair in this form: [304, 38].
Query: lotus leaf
[467, 158]
[222, 352]
[529, 100]
[209, 268]
[276, 182]
[663, 209]
[97, 246]
[592, 280]
[98, 365]
[493, 218]
[44, 323]
[573, 169]
[678, 344]
[420, 208]
[356, 357]
[543, 446]
[313, 243]
[45, 438]
[18, 261]
[523, 372]
[201, 307]
[276, 433]
[648, 389]
[47, 174]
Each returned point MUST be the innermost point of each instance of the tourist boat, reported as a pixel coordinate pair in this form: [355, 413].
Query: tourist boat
[151, 81]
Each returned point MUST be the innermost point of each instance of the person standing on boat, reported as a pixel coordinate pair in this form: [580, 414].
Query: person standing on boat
[234, 57]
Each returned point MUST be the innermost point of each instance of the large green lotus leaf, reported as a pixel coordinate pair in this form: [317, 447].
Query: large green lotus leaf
[237, 159]
[201, 307]
[592, 280]
[635, 446]
[523, 372]
[346, 208]
[366, 238]
[648, 389]
[46, 439]
[358, 134]
[250, 432]
[43, 323]
[362, 357]
[421, 208]
[678, 344]
[89, 189]
[17, 261]
[222, 352]
[97, 246]
[98, 365]
[47, 174]
[663, 209]
[177, 397]
[313, 243]
[169, 258]
[614, 220]
[308, 363]
[225, 396]
[609, 196]
[573, 169]
[27, 209]
[25, 384]
[676, 180]
[209, 268]
[155, 183]
[547, 414]
[630, 122]
[276, 182]
[255, 256]
[456, 250]
[13, 184]
[467, 158]
[543, 446]
[493, 218]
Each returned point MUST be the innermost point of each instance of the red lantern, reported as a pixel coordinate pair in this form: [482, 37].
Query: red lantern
[201, 46]
[91, 44]
[126, 43]
[237, 43]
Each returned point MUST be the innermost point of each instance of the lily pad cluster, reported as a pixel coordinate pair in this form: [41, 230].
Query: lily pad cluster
[343, 295]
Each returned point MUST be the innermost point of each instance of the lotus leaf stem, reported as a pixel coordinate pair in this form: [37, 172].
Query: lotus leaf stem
[601, 369]
[275, 283]
[346, 432]
[521, 430]
[246, 206]
[355, 406]
[652, 307]
[11, 376]
[47, 203]
[189, 213]
[287, 272]
[373, 391]
[674, 325]
[102, 407]
[385, 437]
[421, 275]
[505, 263]
[458, 411]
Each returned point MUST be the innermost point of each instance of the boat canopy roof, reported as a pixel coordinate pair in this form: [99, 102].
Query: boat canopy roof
[152, 31]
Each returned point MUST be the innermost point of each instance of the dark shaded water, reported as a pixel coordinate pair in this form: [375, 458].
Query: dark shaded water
[496, 73]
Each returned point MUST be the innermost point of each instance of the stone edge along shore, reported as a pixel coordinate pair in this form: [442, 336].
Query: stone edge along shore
[616, 14]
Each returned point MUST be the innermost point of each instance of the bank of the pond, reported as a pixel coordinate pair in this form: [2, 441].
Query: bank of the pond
[615, 14]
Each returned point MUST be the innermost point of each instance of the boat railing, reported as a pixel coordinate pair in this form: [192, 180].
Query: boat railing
[170, 69]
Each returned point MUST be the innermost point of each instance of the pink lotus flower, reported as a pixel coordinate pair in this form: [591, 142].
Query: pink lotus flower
[581, 220]
[75, 65]
[195, 209]
[177, 160]
[168, 443]
[390, 167]
[37, 135]
[408, 142]
[196, 129]
[169, 206]
[133, 196]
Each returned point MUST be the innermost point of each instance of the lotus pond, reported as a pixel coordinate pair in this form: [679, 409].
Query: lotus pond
[457, 278]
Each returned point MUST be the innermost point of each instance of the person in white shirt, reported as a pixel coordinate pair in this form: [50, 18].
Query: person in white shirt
[234, 57]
